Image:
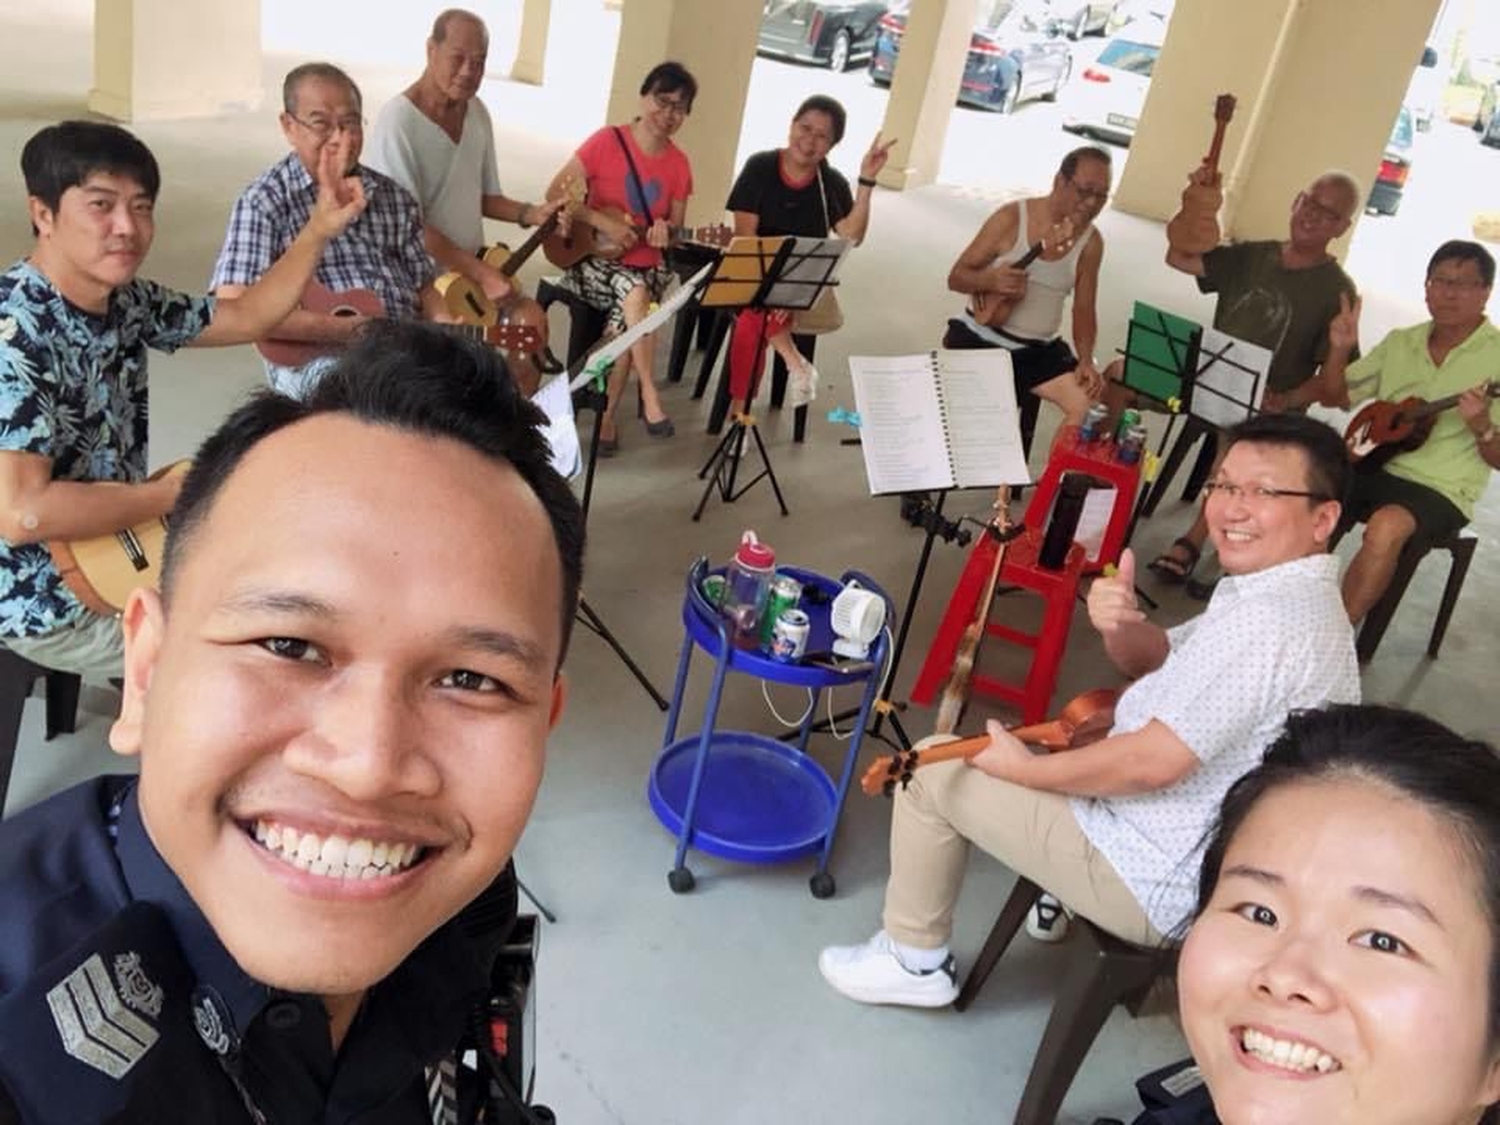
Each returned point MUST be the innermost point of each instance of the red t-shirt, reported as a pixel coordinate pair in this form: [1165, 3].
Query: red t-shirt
[667, 177]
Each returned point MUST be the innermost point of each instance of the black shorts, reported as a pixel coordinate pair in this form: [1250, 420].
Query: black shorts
[1033, 364]
[1438, 518]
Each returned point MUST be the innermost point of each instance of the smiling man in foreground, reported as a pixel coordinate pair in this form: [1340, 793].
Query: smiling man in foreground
[340, 702]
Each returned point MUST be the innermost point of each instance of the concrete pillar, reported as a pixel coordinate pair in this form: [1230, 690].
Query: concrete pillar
[924, 89]
[531, 44]
[161, 59]
[716, 41]
[1317, 86]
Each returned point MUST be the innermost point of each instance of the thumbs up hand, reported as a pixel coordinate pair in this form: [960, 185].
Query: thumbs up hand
[1112, 602]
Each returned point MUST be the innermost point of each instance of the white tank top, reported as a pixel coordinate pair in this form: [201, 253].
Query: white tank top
[1048, 284]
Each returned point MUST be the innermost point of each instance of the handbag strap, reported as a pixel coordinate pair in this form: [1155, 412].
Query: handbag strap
[640, 188]
[823, 195]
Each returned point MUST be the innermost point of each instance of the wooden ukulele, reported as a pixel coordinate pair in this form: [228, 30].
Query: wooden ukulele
[1381, 430]
[956, 690]
[1086, 718]
[318, 298]
[585, 240]
[1195, 228]
[104, 570]
[994, 310]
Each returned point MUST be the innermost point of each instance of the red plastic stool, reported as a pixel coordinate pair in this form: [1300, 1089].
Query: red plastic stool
[1097, 458]
[1020, 569]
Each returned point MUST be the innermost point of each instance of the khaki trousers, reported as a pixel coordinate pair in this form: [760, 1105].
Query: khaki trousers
[949, 805]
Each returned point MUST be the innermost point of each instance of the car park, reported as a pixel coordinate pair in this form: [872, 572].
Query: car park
[833, 35]
[1105, 100]
[1015, 55]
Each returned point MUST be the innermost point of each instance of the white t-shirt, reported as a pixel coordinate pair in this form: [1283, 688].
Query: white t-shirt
[1269, 643]
[449, 180]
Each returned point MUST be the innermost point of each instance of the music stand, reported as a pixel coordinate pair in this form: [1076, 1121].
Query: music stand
[784, 273]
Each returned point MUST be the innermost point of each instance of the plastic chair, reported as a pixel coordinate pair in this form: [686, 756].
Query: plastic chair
[17, 675]
[1102, 971]
[1460, 548]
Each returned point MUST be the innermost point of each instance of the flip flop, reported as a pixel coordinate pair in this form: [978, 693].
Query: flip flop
[1172, 569]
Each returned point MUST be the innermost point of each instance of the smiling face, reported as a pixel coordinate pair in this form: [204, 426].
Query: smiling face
[1321, 213]
[455, 67]
[1340, 971]
[96, 239]
[341, 715]
[810, 138]
[1251, 532]
[1456, 293]
[1084, 194]
[328, 113]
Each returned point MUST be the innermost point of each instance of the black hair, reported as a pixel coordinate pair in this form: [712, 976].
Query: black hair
[1329, 474]
[1069, 163]
[822, 103]
[668, 78]
[409, 376]
[1462, 250]
[1455, 778]
[447, 15]
[65, 155]
[324, 70]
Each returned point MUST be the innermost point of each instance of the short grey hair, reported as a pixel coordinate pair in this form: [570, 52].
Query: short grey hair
[326, 71]
[1348, 182]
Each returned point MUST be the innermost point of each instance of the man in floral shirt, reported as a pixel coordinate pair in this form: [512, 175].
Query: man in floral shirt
[75, 326]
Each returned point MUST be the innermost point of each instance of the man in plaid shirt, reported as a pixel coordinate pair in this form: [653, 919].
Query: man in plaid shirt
[382, 251]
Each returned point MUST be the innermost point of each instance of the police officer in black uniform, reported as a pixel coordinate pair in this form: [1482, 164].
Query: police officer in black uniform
[299, 912]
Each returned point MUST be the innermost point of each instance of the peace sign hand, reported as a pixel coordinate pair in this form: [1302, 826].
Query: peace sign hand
[875, 157]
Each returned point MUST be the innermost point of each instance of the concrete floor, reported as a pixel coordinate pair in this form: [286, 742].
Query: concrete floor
[708, 1007]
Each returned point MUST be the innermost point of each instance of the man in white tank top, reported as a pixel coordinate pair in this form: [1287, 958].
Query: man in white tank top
[1021, 309]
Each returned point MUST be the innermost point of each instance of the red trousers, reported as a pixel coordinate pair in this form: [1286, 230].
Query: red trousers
[753, 329]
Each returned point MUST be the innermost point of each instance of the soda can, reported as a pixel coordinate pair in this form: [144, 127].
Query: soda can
[713, 589]
[789, 636]
[1092, 427]
[1128, 418]
[785, 593]
[1131, 445]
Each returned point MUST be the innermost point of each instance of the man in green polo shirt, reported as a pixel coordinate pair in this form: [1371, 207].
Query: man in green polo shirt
[1430, 492]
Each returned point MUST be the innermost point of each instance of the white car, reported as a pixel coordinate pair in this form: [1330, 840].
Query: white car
[1105, 99]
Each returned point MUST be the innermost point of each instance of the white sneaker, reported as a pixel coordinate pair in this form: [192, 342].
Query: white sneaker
[804, 387]
[872, 973]
[1047, 920]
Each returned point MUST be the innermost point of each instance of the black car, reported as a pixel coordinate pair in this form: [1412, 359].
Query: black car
[832, 34]
[1013, 56]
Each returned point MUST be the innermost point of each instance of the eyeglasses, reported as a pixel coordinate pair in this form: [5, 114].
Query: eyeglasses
[322, 128]
[1089, 194]
[1321, 211]
[1438, 281]
[672, 105]
[1257, 494]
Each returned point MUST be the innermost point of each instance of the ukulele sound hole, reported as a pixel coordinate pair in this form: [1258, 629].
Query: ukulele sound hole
[345, 310]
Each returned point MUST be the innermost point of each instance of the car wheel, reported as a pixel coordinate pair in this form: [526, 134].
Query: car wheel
[1012, 96]
[1080, 25]
[838, 58]
[1062, 78]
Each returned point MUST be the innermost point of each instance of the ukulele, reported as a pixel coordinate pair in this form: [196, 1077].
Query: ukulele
[1381, 430]
[585, 240]
[102, 571]
[994, 310]
[318, 298]
[1086, 718]
[1195, 228]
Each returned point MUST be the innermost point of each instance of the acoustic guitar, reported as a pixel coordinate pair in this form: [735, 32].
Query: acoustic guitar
[1195, 228]
[1086, 718]
[1381, 430]
[584, 240]
[994, 310]
[318, 298]
[103, 571]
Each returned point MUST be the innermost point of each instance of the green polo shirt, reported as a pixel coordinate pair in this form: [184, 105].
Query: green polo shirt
[1399, 367]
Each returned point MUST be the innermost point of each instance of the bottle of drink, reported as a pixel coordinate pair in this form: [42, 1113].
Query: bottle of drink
[747, 586]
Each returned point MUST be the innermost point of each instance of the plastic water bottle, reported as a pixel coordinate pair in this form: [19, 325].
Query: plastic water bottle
[747, 586]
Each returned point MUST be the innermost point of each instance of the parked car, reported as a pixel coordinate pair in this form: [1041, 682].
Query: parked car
[832, 34]
[1079, 19]
[1105, 100]
[1487, 121]
[1014, 56]
[1395, 165]
[1424, 94]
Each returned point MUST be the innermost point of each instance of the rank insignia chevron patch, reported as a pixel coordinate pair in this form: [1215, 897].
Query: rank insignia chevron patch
[91, 1016]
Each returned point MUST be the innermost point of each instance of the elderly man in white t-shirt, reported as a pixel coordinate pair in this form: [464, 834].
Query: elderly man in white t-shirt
[435, 139]
[1112, 829]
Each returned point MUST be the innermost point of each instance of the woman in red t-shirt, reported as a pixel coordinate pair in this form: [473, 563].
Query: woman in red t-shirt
[638, 187]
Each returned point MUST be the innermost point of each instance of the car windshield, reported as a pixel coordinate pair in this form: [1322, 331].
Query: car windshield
[1122, 54]
[1401, 134]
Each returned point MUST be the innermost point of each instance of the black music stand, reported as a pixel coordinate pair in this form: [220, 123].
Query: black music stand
[784, 273]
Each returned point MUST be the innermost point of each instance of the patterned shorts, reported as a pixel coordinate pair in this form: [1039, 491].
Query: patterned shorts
[604, 284]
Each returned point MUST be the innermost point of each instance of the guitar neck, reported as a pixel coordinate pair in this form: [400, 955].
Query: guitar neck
[1031, 255]
[518, 256]
[1438, 405]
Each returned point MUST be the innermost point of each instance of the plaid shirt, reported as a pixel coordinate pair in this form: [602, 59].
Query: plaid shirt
[382, 250]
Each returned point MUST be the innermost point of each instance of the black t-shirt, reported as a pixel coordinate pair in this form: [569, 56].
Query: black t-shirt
[781, 208]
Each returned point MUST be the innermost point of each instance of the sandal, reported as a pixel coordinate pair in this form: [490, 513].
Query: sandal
[1174, 569]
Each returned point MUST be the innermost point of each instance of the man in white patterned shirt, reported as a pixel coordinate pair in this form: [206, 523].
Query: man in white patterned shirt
[382, 252]
[1113, 829]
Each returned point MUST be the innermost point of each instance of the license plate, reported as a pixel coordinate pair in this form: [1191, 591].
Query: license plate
[1121, 120]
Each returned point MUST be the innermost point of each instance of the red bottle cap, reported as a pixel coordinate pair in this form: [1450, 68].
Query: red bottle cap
[754, 553]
